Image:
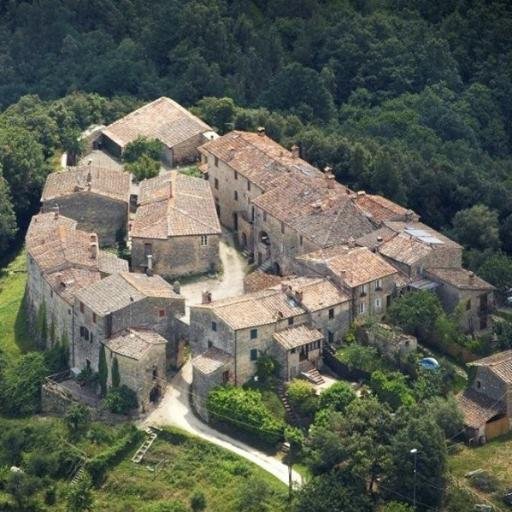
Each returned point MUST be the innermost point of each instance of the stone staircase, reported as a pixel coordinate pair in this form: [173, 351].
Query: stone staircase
[290, 415]
[151, 435]
[79, 473]
[266, 266]
[313, 376]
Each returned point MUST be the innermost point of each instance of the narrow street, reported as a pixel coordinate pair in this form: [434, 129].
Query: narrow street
[174, 409]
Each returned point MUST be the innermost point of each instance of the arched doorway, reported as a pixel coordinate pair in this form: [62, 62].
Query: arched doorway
[276, 269]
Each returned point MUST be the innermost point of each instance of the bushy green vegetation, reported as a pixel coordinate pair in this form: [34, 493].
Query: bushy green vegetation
[142, 158]
[302, 397]
[245, 410]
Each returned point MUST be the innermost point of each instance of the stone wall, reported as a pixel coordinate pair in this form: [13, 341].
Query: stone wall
[94, 213]
[178, 256]
[186, 152]
[487, 383]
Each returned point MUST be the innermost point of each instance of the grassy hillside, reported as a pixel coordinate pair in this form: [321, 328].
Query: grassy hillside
[14, 337]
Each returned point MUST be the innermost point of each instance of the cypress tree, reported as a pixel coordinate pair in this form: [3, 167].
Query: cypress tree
[102, 371]
[116, 378]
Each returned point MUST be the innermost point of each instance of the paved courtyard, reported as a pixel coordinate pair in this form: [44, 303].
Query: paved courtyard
[228, 284]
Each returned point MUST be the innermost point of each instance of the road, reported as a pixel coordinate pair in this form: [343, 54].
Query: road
[228, 284]
[174, 409]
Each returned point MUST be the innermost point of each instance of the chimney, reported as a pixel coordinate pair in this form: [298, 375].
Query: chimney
[379, 239]
[94, 250]
[93, 238]
[317, 207]
[280, 315]
[261, 131]
[471, 277]
[176, 287]
[409, 215]
[329, 177]
[149, 266]
[361, 193]
[299, 296]
[56, 212]
[206, 297]
[295, 151]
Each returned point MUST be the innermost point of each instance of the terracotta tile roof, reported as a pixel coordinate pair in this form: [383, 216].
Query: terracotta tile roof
[324, 214]
[257, 157]
[273, 304]
[477, 408]
[120, 290]
[259, 280]
[111, 183]
[64, 254]
[460, 278]
[500, 364]
[162, 119]
[317, 293]
[212, 360]
[382, 209]
[354, 266]
[376, 238]
[174, 204]
[405, 249]
[134, 343]
[297, 336]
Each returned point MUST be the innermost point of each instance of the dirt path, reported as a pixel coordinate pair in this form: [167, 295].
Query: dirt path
[174, 409]
[229, 284]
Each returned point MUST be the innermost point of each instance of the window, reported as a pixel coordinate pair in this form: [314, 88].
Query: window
[84, 332]
[225, 377]
[236, 195]
[216, 183]
[361, 308]
[82, 308]
[204, 240]
[94, 318]
[364, 290]
[69, 311]
[290, 320]
[91, 338]
[148, 250]
[330, 337]
[468, 305]
[293, 350]
[161, 313]
[248, 185]
[264, 216]
[254, 334]
[378, 284]
[210, 343]
[236, 175]
[216, 161]
[282, 228]
[254, 354]
[378, 304]
[51, 293]
[214, 326]
[478, 384]
[301, 240]
[331, 313]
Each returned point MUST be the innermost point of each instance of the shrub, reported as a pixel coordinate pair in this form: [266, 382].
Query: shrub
[360, 357]
[266, 367]
[166, 506]
[121, 400]
[142, 146]
[143, 168]
[391, 388]
[337, 397]
[244, 409]
[102, 370]
[197, 501]
[302, 397]
[77, 419]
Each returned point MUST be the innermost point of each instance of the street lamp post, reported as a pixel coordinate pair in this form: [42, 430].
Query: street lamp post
[414, 452]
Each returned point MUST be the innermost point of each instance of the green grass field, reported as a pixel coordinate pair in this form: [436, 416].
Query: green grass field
[176, 468]
[14, 336]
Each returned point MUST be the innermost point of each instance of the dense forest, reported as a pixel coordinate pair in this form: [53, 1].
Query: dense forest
[409, 98]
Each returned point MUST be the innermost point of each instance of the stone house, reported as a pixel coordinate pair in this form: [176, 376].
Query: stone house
[175, 230]
[390, 341]
[304, 214]
[368, 279]
[487, 404]
[241, 166]
[140, 356]
[413, 247]
[244, 326]
[179, 131]
[461, 286]
[97, 198]
[61, 260]
[123, 301]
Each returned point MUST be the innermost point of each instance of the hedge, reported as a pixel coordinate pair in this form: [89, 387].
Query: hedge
[98, 465]
[245, 410]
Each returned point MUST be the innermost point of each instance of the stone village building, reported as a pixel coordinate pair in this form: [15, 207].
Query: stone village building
[487, 404]
[179, 131]
[61, 260]
[176, 230]
[97, 198]
[289, 322]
